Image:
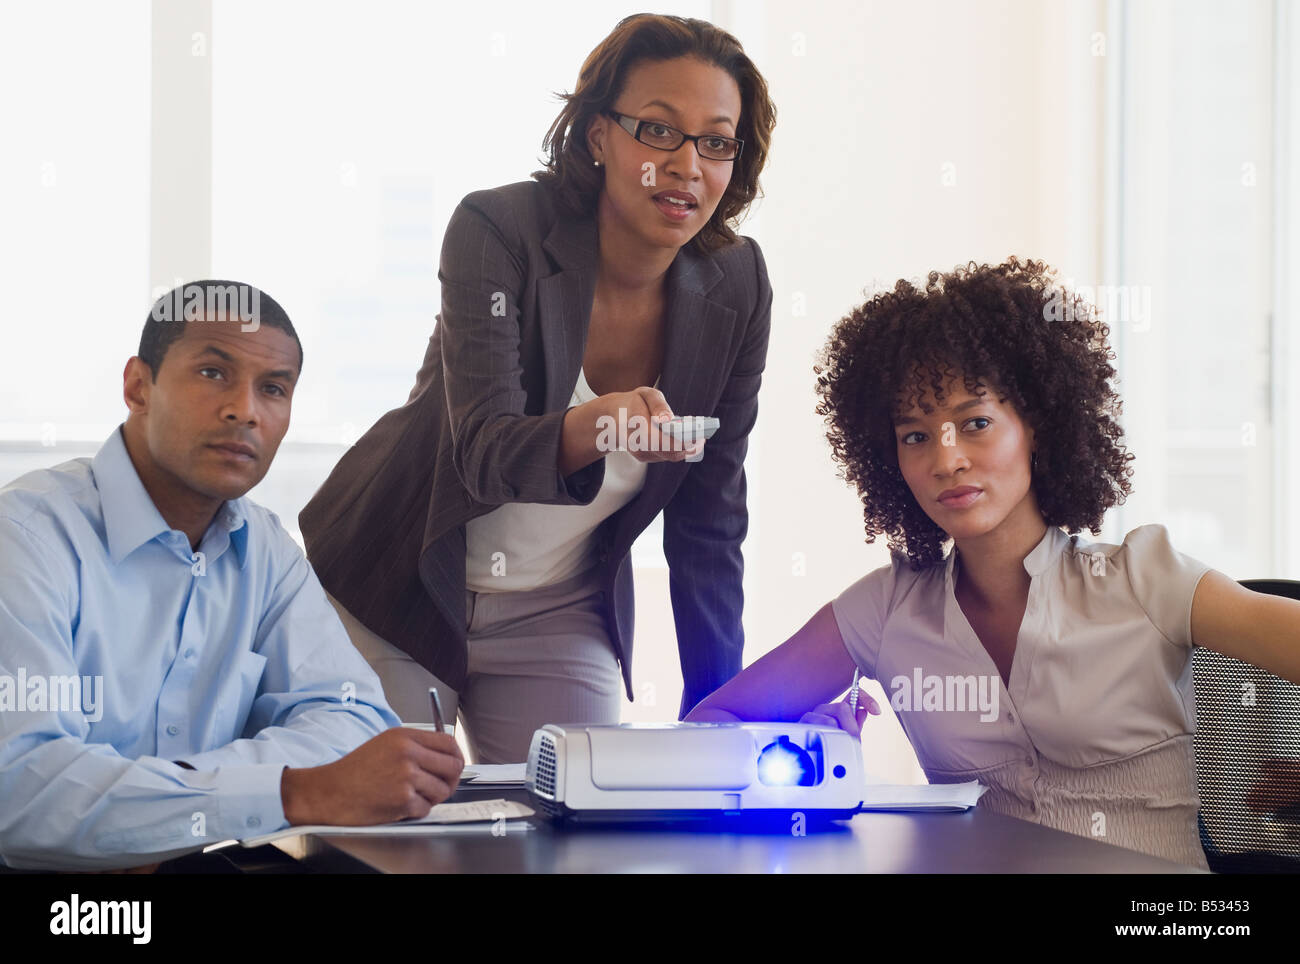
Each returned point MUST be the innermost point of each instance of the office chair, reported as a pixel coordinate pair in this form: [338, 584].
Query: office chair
[1246, 716]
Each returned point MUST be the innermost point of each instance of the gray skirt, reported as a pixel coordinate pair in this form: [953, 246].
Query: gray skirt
[536, 656]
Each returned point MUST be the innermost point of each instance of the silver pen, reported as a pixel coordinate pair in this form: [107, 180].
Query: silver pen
[853, 694]
[436, 703]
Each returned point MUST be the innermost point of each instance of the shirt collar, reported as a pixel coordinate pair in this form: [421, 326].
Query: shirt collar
[1036, 562]
[130, 517]
[1047, 551]
[233, 516]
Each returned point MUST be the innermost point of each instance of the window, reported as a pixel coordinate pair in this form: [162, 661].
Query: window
[74, 189]
[1195, 236]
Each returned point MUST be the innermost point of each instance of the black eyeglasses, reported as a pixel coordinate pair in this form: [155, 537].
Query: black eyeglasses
[654, 134]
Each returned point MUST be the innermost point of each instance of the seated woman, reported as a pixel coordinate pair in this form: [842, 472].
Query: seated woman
[980, 410]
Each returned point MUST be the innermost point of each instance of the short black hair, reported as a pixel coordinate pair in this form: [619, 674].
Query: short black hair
[199, 300]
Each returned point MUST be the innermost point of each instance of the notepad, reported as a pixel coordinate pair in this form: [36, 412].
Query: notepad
[925, 796]
[481, 816]
[507, 773]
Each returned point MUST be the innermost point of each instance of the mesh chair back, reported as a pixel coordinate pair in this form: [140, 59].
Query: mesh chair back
[1248, 759]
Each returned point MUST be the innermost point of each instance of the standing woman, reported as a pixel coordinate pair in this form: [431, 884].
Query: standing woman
[479, 536]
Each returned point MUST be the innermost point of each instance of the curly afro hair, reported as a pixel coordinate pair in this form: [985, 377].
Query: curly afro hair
[1012, 329]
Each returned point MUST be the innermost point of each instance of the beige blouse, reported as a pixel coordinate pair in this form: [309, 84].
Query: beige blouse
[1093, 733]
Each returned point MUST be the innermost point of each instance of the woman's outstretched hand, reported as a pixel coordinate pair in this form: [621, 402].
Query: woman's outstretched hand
[637, 416]
[839, 714]
[620, 422]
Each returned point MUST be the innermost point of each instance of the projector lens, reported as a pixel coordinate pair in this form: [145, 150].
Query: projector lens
[782, 764]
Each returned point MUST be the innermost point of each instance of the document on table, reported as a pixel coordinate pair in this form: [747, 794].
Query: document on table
[473, 817]
[512, 773]
[926, 796]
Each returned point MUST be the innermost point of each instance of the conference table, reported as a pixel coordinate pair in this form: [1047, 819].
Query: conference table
[974, 841]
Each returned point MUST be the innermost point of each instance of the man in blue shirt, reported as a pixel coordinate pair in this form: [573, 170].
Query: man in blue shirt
[171, 673]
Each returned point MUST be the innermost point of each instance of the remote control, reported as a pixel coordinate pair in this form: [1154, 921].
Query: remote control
[690, 428]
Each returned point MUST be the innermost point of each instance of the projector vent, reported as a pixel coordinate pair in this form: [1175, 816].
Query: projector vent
[544, 778]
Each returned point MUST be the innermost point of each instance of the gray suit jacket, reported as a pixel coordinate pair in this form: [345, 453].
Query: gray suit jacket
[386, 531]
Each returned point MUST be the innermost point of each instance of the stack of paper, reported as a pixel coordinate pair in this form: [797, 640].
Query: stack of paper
[506, 774]
[926, 796]
[476, 816]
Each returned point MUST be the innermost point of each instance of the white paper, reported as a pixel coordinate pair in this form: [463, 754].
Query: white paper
[474, 816]
[925, 796]
[495, 773]
[476, 810]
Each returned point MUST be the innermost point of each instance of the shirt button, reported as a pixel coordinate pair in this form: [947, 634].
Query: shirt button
[1029, 761]
[189, 653]
[254, 821]
[172, 729]
[1011, 717]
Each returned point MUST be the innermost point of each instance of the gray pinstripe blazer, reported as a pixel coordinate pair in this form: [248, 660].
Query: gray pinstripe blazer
[386, 531]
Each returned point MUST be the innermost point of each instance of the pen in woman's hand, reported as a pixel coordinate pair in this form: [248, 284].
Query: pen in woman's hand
[853, 694]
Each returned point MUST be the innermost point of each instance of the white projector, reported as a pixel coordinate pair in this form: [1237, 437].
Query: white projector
[695, 771]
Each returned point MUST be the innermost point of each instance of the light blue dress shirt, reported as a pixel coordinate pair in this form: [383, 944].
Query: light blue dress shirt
[121, 651]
